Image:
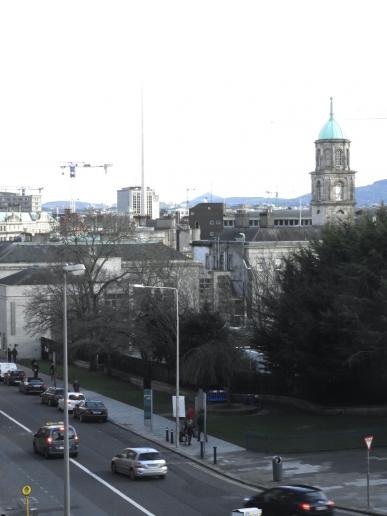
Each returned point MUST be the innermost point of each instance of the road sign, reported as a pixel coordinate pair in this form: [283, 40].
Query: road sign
[26, 490]
[368, 441]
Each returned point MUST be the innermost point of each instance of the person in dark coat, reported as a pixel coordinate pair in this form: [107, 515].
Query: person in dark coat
[200, 423]
[14, 354]
[35, 368]
[189, 430]
[9, 354]
[76, 386]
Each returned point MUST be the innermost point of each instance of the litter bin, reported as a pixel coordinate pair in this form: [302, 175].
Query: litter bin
[277, 468]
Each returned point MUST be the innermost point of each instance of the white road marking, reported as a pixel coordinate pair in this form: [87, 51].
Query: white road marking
[109, 486]
[93, 475]
[16, 422]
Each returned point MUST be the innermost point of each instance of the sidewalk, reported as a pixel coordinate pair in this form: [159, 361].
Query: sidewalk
[342, 475]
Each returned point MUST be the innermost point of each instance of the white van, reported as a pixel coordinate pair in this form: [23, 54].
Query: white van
[6, 366]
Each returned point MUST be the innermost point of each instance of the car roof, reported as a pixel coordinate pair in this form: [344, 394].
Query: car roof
[33, 378]
[142, 450]
[75, 393]
[300, 488]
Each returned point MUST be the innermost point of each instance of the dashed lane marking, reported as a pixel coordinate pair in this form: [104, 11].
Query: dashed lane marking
[90, 473]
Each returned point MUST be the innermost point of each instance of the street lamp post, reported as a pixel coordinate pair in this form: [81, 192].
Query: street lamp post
[75, 270]
[177, 434]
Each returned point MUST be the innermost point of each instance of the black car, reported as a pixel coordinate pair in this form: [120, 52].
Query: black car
[49, 440]
[51, 396]
[14, 377]
[291, 500]
[31, 385]
[91, 410]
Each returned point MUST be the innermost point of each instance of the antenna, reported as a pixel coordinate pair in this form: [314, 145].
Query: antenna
[143, 196]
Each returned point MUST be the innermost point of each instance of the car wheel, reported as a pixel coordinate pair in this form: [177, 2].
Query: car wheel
[113, 468]
[41, 400]
[104, 420]
[74, 455]
[46, 454]
[49, 403]
[81, 418]
[162, 477]
[132, 474]
[60, 409]
[34, 447]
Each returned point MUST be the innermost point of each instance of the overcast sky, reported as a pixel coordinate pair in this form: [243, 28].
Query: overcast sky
[235, 93]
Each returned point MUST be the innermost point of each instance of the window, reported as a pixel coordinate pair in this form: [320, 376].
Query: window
[318, 190]
[212, 222]
[327, 157]
[339, 158]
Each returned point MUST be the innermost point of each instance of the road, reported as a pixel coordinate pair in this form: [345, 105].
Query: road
[188, 488]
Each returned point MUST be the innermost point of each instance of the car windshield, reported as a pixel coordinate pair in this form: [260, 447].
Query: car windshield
[95, 404]
[149, 456]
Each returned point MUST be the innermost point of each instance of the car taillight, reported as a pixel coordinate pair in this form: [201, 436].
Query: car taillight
[76, 438]
[330, 503]
[49, 440]
[305, 506]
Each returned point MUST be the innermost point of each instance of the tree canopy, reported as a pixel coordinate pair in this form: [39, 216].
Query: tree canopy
[324, 329]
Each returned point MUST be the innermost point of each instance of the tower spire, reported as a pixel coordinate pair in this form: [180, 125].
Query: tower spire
[143, 193]
[331, 111]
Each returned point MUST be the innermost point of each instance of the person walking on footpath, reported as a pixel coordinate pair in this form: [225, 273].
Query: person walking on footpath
[14, 354]
[189, 430]
[52, 372]
[76, 386]
[9, 355]
[35, 367]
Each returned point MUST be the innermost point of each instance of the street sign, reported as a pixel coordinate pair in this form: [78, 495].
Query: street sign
[26, 490]
[368, 441]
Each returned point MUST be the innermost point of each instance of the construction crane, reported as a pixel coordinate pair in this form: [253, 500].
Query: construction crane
[73, 165]
[21, 189]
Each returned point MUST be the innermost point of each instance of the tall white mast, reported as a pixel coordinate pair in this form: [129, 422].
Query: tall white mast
[143, 193]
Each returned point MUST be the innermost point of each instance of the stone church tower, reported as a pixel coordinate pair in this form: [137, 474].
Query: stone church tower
[333, 181]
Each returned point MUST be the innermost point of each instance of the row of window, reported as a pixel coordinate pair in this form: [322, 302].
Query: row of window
[339, 157]
[292, 222]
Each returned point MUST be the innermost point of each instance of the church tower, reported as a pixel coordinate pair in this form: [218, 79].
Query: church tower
[333, 181]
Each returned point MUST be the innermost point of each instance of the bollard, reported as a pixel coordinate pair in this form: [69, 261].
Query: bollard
[201, 449]
[277, 468]
[167, 435]
[171, 436]
[214, 454]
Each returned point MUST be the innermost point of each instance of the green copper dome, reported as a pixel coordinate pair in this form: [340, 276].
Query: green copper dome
[331, 130]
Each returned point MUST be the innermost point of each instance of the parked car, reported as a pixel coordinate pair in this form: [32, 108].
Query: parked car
[6, 366]
[139, 462]
[14, 377]
[292, 500]
[73, 398]
[49, 440]
[51, 396]
[91, 410]
[32, 385]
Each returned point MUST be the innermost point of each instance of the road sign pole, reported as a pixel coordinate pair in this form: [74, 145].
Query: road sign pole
[368, 440]
[368, 477]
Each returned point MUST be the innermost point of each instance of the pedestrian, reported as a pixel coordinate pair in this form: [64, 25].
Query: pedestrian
[9, 354]
[190, 413]
[35, 368]
[76, 386]
[14, 354]
[52, 371]
[189, 430]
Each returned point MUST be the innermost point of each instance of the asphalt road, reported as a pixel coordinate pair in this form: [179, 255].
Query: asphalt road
[188, 489]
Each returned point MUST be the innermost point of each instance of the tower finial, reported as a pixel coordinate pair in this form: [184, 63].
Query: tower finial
[331, 112]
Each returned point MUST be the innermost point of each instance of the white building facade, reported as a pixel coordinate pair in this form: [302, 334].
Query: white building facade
[129, 202]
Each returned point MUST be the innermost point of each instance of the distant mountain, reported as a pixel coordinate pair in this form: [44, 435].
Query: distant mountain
[79, 206]
[369, 195]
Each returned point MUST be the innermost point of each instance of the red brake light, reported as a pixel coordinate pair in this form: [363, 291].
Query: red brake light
[49, 440]
[305, 506]
[330, 503]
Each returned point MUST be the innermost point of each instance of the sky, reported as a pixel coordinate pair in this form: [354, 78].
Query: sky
[234, 94]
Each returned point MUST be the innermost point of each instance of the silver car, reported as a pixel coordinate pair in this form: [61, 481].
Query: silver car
[139, 462]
